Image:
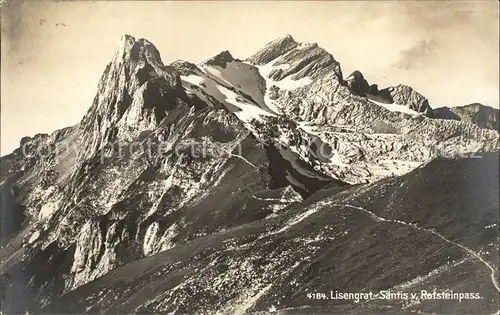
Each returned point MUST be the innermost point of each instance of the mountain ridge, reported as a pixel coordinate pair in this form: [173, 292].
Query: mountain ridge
[176, 157]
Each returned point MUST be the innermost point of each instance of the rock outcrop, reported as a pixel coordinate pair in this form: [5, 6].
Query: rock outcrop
[401, 95]
[407, 96]
[134, 94]
[358, 84]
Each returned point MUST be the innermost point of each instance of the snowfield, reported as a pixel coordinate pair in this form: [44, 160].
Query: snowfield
[395, 108]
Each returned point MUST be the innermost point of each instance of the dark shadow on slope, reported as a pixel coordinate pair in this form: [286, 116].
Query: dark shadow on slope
[445, 113]
[24, 282]
[11, 214]
[284, 174]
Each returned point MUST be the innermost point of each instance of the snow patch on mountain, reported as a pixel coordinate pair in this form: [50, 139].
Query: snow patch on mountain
[395, 107]
[285, 84]
[203, 88]
[247, 111]
[193, 79]
[243, 77]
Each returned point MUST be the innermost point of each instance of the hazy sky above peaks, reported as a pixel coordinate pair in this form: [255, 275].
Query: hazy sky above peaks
[53, 53]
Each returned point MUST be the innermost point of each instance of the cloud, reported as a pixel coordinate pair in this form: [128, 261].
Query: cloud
[417, 55]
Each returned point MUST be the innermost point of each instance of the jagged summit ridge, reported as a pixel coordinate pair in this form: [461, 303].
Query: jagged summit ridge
[133, 49]
[134, 93]
[137, 90]
[298, 89]
[221, 59]
[402, 95]
[273, 50]
[286, 58]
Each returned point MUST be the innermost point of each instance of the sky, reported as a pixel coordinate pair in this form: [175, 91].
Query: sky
[54, 52]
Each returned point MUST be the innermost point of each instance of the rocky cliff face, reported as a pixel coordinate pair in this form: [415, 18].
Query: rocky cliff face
[227, 180]
[135, 93]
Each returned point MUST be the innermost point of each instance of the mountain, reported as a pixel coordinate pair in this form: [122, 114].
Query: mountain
[242, 185]
[478, 114]
[400, 95]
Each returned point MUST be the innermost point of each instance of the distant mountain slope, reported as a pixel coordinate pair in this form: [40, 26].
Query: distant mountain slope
[432, 229]
[478, 114]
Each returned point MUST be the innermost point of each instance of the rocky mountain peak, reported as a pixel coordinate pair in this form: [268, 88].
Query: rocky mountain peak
[184, 67]
[357, 83]
[406, 95]
[221, 59]
[400, 94]
[287, 39]
[134, 50]
[356, 75]
[289, 58]
[134, 93]
[273, 50]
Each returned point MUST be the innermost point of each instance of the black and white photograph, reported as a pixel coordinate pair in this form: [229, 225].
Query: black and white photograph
[250, 157]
